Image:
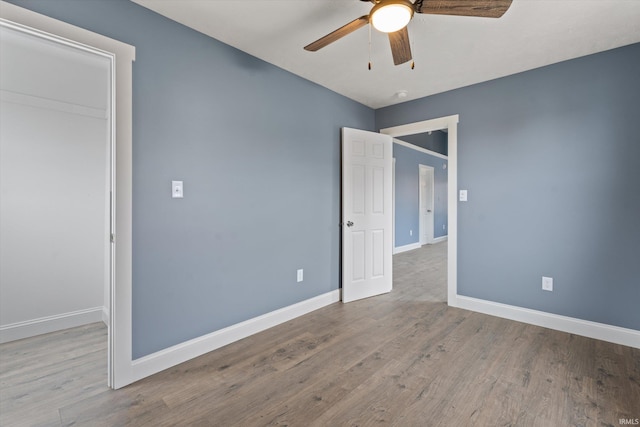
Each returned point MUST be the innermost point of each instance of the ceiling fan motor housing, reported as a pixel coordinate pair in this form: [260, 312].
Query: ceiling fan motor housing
[389, 16]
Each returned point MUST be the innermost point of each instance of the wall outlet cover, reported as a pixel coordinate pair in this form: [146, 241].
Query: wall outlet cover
[547, 283]
[177, 190]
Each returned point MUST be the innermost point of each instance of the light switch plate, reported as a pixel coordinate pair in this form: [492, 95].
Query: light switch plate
[463, 195]
[176, 190]
[300, 275]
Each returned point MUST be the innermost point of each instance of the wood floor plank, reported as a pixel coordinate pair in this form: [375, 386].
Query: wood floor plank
[617, 383]
[114, 409]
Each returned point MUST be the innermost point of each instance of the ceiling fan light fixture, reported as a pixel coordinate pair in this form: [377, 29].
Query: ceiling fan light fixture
[389, 16]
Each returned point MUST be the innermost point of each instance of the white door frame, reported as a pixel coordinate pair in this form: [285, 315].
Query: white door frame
[393, 203]
[121, 57]
[450, 123]
[431, 171]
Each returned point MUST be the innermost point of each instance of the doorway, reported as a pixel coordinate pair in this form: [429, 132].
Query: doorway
[120, 366]
[56, 184]
[448, 124]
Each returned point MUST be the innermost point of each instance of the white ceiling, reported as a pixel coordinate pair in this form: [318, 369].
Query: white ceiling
[449, 51]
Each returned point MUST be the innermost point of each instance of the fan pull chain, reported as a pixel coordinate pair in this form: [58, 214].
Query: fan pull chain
[413, 42]
[369, 46]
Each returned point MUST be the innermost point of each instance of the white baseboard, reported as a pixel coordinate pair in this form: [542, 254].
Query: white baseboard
[105, 316]
[163, 359]
[439, 239]
[44, 325]
[406, 248]
[600, 331]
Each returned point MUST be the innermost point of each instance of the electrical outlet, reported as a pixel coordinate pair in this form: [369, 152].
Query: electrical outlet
[300, 275]
[547, 283]
[444, 226]
[410, 232]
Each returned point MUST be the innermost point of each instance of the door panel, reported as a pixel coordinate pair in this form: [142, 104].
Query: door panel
[426, 204]
[366, 214]
[358, 256]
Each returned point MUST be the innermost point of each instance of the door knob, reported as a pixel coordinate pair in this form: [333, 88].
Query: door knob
[349, 224]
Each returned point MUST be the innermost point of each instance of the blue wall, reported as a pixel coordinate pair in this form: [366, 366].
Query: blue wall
[551, 160]
[258, 150]
[407, 194]
[433, 141]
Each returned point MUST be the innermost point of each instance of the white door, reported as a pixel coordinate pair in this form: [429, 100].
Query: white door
[366, 214]
[426, 204]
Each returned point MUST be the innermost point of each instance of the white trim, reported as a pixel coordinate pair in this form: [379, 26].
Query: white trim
[439, 239]
[393, 205]
[405, 248]
[450, 123]
[163, 359]
[452, 221]
[123, 55]
[420, 149]
[44, 325]
[585, 328]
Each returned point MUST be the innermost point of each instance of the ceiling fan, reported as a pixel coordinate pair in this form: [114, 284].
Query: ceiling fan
[392, 17]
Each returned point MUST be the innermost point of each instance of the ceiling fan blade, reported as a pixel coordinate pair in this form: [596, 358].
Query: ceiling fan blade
[400, 46]
[481, 8]
[338, 34]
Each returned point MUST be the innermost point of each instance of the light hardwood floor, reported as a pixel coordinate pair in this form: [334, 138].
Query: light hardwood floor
[403, 359]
